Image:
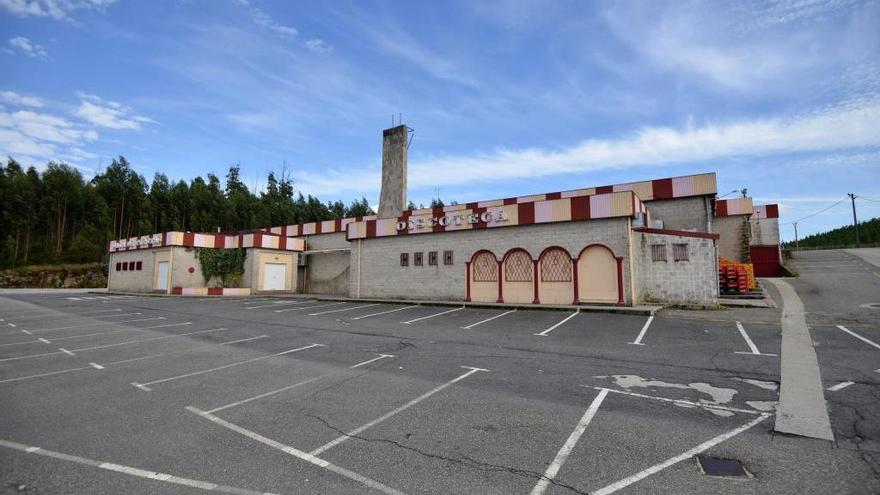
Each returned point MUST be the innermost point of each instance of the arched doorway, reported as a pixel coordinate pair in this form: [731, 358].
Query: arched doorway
[597, 275]
[555, 277]
[518, 284]
[484, 277]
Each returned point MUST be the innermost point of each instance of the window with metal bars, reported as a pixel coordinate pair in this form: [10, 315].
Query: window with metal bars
[139, 265]
[432, 258]
[680, 252]
[518, 267]
[447, 257]
[556, 266]
[658, 252]
[118, 266]
[404, 259]
[417, 259]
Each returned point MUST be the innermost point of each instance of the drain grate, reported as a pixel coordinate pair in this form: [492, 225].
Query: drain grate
[724, 468]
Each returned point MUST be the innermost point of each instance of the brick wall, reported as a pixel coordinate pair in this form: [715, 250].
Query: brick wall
[382, 275]
[692, 281]
[765, 231]
[730, 230]
[681, 214]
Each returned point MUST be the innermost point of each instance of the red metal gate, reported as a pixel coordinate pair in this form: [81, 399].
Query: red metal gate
[766, 261]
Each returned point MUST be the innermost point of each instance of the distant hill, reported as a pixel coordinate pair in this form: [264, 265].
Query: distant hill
[869, 233]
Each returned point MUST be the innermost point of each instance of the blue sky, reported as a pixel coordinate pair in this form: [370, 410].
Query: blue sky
[506, 97]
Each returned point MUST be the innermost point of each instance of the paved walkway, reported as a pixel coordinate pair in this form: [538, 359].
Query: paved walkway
[802, 409]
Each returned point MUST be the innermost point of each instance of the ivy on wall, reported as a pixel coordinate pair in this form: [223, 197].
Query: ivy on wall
[226, 264]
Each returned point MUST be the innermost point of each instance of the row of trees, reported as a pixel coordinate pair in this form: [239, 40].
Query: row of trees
[869, 234]
[57, 215]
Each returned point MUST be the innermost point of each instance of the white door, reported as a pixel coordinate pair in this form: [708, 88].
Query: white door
[274, 275]
[162, 275]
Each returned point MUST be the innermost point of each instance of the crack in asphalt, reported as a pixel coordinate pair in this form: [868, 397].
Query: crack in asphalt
[465, 461]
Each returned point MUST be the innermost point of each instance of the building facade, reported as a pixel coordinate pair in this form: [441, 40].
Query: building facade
[649, 241]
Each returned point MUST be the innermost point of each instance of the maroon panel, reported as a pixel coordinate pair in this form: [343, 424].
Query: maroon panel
[480, 224]
[282, 243]
[317, 227]
[470, 206]
[556, 195]
[765, 260]
[526, 213]
[219, 241]
[604, 189]
[189, 239]
[662, 188]
[509, 201]
[337, 225]
[258, 240]
[437, 211]
[215, 291]
[682, 233]
[371, 228]
[772, 211]
[177, 290]
[580, 208]
[721, 208]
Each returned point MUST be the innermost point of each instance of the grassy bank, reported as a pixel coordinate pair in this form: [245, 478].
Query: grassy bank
[85, 275]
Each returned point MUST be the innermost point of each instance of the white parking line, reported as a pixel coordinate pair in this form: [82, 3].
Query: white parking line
[275, 304]
[847, 330]
[11, 325]
[102, 324]
[753, 348]
[308, 307]
[569, 444]
[638, 340]
[488, 319]
[27, 332]
[185, 351]
[343, 309]
[311, 459]
[146, 386]
[431, 316]
[127, 342]
[60, 314]
[358, 430]
[96, 366]
[294, 385]
[554, 327]
[839, 386]
[619, 485]
[384, 312]
[65, 351]
[131, 471]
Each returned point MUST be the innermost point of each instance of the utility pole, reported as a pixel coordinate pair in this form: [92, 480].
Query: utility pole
[852, 197]
[797, 245]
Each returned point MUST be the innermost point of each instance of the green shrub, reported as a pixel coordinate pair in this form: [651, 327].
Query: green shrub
[226, 264]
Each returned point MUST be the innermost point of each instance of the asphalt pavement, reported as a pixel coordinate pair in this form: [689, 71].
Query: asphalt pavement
[121, 394]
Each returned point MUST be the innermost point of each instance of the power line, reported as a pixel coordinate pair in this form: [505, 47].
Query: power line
[823, 210]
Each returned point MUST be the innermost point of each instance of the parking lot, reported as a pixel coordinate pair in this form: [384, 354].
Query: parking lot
[124, 394]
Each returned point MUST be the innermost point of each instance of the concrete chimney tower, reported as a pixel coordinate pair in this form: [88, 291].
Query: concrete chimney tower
[392, 200]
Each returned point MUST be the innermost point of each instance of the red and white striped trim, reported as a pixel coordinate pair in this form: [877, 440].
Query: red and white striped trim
[216, 241]
[766, 211]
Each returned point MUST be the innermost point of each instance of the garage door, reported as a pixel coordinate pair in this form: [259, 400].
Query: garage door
[765, 260]
[274, 275]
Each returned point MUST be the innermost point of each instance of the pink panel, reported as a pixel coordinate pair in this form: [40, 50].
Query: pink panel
[328, 226]
[543, 211]
[600, 206]
[308, 229]
[682, 186]
[275, 230]
[247, 240]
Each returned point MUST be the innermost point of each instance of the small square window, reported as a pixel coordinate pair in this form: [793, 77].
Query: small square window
[658, 252]
[118, 267]
[417, 259]
[447, 257]
[139, 265]
[432, 258]
[125, 266]
[404, 259]
[680, 252]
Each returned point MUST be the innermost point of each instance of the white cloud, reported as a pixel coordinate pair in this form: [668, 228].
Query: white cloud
[26, 47]
[318, 46]
[831, 130]
[109, 114]
[16, 99]
[33, 137]
[262, 19]
[56, 9]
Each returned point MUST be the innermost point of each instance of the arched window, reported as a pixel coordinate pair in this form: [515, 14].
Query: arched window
[556, 266]
[484, 268]
[518, 267]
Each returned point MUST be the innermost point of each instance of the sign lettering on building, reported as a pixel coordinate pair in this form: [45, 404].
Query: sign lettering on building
[455, 219]
[141, 242]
